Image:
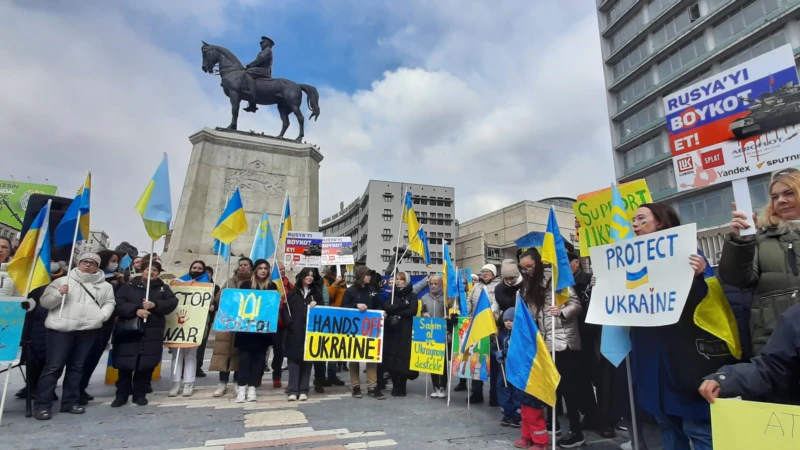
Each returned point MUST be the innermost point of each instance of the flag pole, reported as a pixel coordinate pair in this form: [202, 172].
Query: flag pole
[396, 249]
[502, 367]
[149, 271]
[633, 408]
[5, 390]
[69, 264]
[216, 265]
[553, 351]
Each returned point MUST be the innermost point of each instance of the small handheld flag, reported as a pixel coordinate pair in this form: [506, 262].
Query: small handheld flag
[232, 222]
[482, 323]
[74, 226]
[264, 242]
[30, 268]
[286, 223]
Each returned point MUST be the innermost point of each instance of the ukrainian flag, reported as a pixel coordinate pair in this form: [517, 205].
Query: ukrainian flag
[286, 225]
[714, 314]
[417, 241]
[275, 277]
[449, 275]
[615, 342]
[529, 366]
[553, 253]
[30, 268]
[77, 216]
[635, 279]
[232, 222]
[155, 205]
[482, 323]
[222, 249]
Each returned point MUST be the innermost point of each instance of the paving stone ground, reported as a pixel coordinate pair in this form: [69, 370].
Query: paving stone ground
[333, 420]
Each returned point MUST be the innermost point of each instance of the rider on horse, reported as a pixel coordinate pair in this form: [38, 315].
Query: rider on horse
[261, 67]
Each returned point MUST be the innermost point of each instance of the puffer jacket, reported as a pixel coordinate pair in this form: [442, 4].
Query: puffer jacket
[81, 311]
[475, 295]
[567, 336]
[7, 286]
[770, 265]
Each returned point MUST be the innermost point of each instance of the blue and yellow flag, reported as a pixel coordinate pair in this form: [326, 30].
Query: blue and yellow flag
[529, 366]
[204, 278]
[449, 274]
[155, 204]
[276, 278]
[286, 225]
[417, 241]
[620, 220]
[77, 216]
[232, 222]
[264, 242]
[714, 314]
[222, 249]
[482, 323]
[30, 267]
[554, 253]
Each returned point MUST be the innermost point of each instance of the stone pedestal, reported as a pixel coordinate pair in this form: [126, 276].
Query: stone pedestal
[264, 169]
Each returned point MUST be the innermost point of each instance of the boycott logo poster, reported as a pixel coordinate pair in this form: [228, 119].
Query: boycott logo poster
[343, 334]
[303, 249]
[473, 363]
[186, 325]
[644, 281]
[428, 345]
[337, 251]
[593, 212]
[248, 311]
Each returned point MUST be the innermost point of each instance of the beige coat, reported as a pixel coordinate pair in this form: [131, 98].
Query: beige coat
[475, 295]
[224, 350]
[566, 335]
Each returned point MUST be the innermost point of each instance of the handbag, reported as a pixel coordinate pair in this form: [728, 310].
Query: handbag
[130, 329]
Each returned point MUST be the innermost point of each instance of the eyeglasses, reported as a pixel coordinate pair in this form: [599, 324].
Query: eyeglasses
[88, 262]
[526, 269]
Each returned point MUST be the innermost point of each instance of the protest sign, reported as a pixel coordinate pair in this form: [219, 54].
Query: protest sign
[12, 318]
[344, 334]
[303, 249]
[643, 281]
[186, 325]
[337, 251]
[428, 345]
[474, 362]
[14, 200]
[248, 311]
[740, 425]
[593, 212]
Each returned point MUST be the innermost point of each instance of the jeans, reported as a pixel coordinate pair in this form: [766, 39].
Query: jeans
[534, 427]
[372, 375]
[299, 376]
[184, 362]
[251, 367]
[96, 353]
[677, 432]
[333, 370]
[505, 397]
[133, 382]
[568, 363]
[63, 350]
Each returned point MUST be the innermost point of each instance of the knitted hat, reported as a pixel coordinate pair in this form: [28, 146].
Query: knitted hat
[90, 256]
[509, 269]
[509, 314]
[490, 268]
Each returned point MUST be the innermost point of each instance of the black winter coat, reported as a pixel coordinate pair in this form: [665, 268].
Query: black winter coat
[254, 341]
[144, 353]
[506, 297]
[356, 294]
[397, 337]
[33, 330]
[297, 304]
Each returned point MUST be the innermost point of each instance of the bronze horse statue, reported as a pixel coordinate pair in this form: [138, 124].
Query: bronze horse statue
[286, 94]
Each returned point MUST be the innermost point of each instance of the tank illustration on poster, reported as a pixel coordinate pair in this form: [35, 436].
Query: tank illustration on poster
[771, 111]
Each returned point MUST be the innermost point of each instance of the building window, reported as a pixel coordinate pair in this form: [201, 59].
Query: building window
[645, 152]
[742, 18]
[387, 215]
[680, 58]
[386, 238]
[619, 9]
[707, 209]
[423, 221]
[386, 258]
[387, 231]
[627, 32]
[634, 90]
[656, 7]
[447, 216]
[388, 196]
[387, 218]
[630, 60]
[663, 179]
[639, 120]
[447, 235]
[386, 251]
[674, 27]
[493, 253]
[769, 43]
[440, 215]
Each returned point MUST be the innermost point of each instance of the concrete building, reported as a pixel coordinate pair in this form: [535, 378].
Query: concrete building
[7, 231]
[652, 48]
[98, 240]
[490, 237]
[373, 221]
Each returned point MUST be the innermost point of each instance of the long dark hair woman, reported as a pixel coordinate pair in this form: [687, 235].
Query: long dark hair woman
[253, 346]
[399, 328]
[537, 293]
[306, 294]
[137, 355]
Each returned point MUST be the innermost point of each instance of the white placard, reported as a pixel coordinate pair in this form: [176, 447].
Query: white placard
[643, 282]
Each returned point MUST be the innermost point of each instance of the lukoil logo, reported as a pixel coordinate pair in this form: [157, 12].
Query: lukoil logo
[685, 164]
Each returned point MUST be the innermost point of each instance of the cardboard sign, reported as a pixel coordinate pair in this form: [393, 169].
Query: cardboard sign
[186, 325]
[593, 212]
[344, 334]
[644, 281]
[303, 249]
[741, 425]
[337, 251]
[248, 311]
[12, 318]
[428, 345]
[474, 362]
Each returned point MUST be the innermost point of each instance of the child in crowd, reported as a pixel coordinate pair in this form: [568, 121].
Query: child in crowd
[506, 395]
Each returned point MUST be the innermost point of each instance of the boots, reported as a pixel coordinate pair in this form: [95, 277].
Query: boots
[221, 390]
[241, 392]
[173, 391]
[188, 389]
[119, 401]
[251, 393]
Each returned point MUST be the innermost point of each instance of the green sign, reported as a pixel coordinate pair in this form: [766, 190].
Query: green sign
[15, 196]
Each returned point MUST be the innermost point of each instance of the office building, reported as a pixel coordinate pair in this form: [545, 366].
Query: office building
[490, 237]
[652, 48]
[373, 221]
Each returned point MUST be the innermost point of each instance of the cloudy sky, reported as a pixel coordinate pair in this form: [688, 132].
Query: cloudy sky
[504, 101]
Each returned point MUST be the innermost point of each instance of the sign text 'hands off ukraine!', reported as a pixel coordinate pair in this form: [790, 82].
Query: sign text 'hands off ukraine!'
[343, 334]
[643, 281]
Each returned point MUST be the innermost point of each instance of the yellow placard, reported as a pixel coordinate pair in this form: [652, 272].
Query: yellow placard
[186, 325]
[342, 347]
[740, 425]
[593, 212]
[428, 345]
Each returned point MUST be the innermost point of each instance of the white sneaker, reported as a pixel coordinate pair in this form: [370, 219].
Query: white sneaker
[221, 390]
[188, 389]
[241, 391]
[435, 393]
[442, 393]
[173, 391]
[626, 446]
[251, 393]
[292, 398]
[303, 397]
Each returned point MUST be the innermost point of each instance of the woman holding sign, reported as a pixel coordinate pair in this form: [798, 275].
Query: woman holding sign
[399, 328]
[306, 294]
